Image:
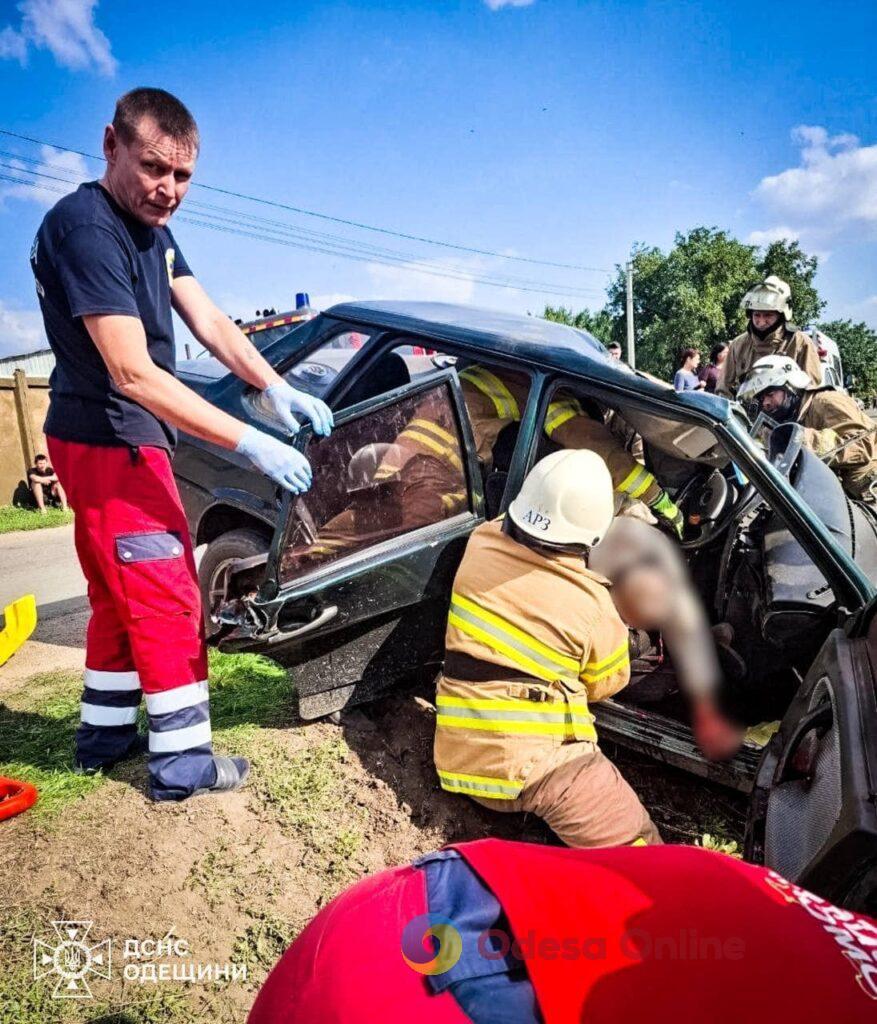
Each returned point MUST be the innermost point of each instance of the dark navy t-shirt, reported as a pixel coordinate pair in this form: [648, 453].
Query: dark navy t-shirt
[91, 257]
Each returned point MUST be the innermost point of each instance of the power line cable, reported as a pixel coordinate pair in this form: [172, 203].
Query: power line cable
[338, 220]
[244, 230]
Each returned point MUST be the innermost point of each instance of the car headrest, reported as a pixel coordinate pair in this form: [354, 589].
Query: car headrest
[386, 374]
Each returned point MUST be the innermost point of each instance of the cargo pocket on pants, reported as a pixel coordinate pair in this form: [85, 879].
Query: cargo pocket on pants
[156, 579]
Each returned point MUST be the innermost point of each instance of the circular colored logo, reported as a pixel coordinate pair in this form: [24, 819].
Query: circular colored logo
[431, 944]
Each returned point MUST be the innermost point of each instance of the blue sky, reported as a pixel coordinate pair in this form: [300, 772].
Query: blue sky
[550, 129]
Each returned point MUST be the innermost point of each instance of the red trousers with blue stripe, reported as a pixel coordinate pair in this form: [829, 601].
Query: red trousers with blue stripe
[146, 631]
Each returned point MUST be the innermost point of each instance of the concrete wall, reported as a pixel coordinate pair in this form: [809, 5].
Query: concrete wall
[23, 405]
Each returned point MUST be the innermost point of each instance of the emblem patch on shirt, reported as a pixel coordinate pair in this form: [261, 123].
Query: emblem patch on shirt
[169, 258]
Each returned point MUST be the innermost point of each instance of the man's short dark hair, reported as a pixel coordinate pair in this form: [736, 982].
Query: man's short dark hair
[614, 345]
[171, 116]
[37, 458]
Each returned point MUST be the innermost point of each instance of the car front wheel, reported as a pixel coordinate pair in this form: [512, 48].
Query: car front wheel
[244, 542]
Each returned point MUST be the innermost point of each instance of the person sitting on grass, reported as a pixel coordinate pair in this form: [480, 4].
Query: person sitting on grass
[43, 482]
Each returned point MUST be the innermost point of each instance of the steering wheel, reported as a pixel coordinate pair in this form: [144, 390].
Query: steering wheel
[707, 504]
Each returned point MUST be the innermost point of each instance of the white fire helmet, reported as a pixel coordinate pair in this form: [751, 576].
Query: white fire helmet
[566, 499]
[375, 463]
[772, 295]
[772, 372]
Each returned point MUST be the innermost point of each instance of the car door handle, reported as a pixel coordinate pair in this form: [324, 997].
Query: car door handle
[326, 615]
[798, 759]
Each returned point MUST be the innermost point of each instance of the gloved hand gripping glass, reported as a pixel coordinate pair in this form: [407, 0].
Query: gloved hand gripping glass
[286, 400]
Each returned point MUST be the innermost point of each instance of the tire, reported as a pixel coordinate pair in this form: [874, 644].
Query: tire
[241, 543]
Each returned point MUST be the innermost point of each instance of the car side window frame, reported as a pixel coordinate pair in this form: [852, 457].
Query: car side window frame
[272, 589]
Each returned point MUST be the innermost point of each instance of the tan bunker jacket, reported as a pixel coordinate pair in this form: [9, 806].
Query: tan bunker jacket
[831, 417]
[746, 349]
[530, 640]
[493, 401]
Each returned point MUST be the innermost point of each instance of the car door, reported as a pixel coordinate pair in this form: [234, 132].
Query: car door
[813, 814]
[358, 579]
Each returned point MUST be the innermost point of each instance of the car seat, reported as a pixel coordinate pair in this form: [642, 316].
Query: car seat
[387, 373]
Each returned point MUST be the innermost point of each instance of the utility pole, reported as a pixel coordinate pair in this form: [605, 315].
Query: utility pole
[631, 355]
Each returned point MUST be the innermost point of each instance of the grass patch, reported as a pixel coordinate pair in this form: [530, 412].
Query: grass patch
[13, 518]
[37, 726]
[304, 790]
[248, 690]
[38, 722]
[306, 793]
[262, 944]
[215, 874]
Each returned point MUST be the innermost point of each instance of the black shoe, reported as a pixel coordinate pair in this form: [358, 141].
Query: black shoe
[91, 766]
[230, 775]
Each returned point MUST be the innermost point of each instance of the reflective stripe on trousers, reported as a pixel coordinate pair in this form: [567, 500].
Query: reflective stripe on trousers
[480, 785]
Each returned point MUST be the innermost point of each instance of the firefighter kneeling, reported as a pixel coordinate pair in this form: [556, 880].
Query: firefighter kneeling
[532, 637]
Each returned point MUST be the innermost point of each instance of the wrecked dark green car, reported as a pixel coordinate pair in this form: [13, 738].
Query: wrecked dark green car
[774, 545]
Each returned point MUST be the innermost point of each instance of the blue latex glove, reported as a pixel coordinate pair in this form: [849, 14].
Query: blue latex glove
[282, 463]
[285, 400]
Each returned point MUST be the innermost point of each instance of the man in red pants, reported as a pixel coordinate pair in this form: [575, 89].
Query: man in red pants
[108, 273]
[520, 933]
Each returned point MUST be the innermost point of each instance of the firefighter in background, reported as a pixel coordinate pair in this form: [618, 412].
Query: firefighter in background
[770, 332]
[495, 401]
[835, 428]
[532, 638]
[522, 933]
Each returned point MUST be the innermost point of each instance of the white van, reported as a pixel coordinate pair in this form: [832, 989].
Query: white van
[829, 356]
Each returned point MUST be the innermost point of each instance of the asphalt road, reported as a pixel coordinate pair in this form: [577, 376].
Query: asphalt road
[43, 563]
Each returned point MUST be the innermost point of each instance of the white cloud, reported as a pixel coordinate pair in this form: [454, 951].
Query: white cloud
[21, 330]
[865, 310]
[833, 192]
[13, 45]
[776, 234]
[321, 302]
[66, 29]
[495, 5]
[409, 282]
[55, 164]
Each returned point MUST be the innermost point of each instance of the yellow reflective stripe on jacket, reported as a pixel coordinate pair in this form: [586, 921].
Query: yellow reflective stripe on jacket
[595, 670]
[454, 501]
[560, 413]
[480, 785]
[826, 440]
[435, 438]
[536, 658]
[637, 482]
[385, 472]
[518, 717]
[491, 386]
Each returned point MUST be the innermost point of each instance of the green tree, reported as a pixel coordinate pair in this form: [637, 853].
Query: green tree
[689, 296]
[858, 351]
[597, 322]
[787, 260]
